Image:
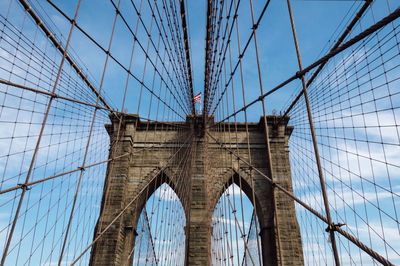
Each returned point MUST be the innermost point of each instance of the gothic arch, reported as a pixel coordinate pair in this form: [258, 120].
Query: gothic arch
[163, 177]
[131, 220]
[242, 179]
[207, 175]
[263, 202]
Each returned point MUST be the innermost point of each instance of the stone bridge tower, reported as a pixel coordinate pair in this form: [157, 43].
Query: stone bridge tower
[134, 178]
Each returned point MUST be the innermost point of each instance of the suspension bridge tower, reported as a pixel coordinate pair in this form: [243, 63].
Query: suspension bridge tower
[132, 180]
[84, 182]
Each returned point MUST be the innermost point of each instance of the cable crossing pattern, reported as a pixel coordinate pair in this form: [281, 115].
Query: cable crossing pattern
[291, 157]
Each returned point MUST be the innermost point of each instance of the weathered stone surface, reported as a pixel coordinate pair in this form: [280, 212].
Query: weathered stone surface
[210, 171]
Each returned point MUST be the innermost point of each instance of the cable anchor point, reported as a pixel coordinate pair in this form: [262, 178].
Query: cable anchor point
[24, 186]
[333, 227]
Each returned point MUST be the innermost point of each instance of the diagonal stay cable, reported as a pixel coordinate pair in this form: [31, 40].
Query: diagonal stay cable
[182, 164]
[167, 44]
[314, 139]
[332, 226]
[57, 44]
[255, 26]
[187, 49]
[151, 237]
[335, 46]
[117, 61]
[29, 184]
[34, 156]
[377, 26]
[129, 203]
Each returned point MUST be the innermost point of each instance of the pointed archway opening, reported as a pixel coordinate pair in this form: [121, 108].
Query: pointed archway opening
[235, 230]
[160, 235]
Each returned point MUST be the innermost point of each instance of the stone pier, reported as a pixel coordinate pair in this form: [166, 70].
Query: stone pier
[210, 171]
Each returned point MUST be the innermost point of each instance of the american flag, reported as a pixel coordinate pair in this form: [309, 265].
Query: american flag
[197, 98]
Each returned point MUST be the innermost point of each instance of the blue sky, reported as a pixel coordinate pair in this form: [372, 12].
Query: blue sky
[316, 21]
[317, 28]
